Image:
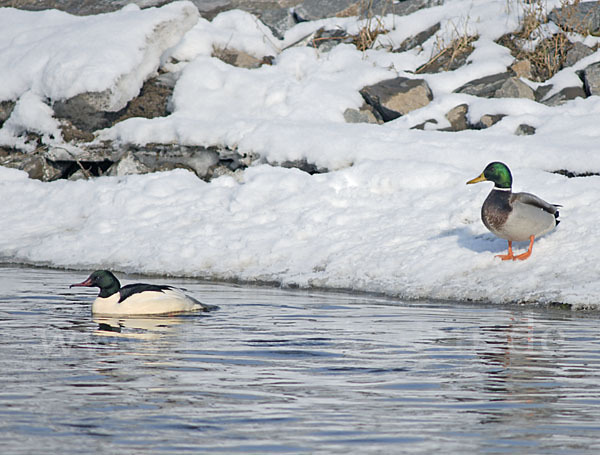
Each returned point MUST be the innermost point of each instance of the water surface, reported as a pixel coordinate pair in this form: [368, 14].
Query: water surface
[287, 371]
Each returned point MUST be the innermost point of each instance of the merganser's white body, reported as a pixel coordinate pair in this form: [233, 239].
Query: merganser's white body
[138, 299]
[146, 302]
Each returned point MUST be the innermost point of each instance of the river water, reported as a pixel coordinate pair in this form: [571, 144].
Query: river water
[289, 371]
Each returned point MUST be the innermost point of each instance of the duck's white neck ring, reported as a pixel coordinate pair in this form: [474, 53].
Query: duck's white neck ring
[501, 189]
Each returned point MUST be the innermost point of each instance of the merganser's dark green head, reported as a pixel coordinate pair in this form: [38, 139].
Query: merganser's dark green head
[495, 172]
[103, 279]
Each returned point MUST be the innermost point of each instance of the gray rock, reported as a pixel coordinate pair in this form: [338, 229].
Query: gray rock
[87, 117]
[591, 79]
[6, 108]
[39, 168]
[417, 40]
[525, 130]
[278, 19]
[210, 8]
[118, 160]
[320, 9]
[406, 7]
[457, 117]
[79, 7]
[311, 10]
[566, 94]
[82, 114]
[395, 97]
[514, 88]
[579, 17]
[129, 164]
[488, 120]
[577, 52]
[542, 91]
[484, 87]
[157, 157]
[365, 114]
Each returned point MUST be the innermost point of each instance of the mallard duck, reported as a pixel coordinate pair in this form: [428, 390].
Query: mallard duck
[137, 299]
[516, 217]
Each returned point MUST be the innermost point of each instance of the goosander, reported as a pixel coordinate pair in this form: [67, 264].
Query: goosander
[515, 217]
[137, 299]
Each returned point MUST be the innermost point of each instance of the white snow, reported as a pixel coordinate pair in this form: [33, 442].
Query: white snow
[394, 214]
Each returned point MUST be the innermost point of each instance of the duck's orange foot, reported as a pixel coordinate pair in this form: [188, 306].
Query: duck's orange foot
[523, 256]
[510, 255]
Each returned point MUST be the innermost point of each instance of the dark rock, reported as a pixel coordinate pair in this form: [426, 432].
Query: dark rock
[325, 40]
[484, 87]
[39, 168]
[514, 88]
[577, 52]
[580, 17]
[542, 91]
[566, 94]
[488, 120]
[150, 103]
[6, 108]
[303, 165]
[86, 116]
[418, 39]
[525, 130]
[591, 79]
[71, 133]
[395, 97]
[422, 126]
[83, 115]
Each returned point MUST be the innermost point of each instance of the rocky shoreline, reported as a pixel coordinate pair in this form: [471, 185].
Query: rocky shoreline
[83, 115]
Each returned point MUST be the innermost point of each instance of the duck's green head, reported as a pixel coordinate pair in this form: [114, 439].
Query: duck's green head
[496, 172]
[103, 279]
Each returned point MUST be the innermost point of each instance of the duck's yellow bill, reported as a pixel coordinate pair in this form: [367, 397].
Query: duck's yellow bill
[481, 178]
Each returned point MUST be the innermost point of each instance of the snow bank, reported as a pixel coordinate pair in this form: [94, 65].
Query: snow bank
[394, 215]
[50, 55]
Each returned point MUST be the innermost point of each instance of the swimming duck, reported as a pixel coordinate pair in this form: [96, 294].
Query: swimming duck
[137, 299]
[516, 217]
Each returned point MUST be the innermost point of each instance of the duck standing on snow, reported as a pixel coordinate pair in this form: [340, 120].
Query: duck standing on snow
[137, 299]
[516, 217]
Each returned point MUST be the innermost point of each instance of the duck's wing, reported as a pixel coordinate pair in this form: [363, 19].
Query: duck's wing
[535, 201]
[131, 289]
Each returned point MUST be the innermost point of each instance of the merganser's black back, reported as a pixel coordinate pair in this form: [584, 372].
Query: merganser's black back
[131, 289]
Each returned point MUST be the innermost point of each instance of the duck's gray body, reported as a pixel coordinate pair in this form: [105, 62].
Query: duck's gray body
[517, 216]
